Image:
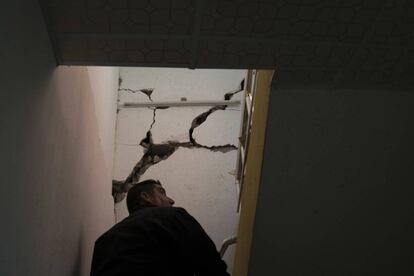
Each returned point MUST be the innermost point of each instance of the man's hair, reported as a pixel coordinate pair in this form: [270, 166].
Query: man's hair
[134, 201]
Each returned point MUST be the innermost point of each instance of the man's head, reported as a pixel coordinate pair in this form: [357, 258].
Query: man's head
[146, 193]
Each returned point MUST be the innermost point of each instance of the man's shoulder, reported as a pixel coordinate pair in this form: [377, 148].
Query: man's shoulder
[144, 218]
[158, 211]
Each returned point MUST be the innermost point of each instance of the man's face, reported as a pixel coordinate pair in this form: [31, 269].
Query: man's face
[158, 197]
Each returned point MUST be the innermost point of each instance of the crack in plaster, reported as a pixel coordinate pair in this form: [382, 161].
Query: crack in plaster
[155, 153]
[146, 91]
[119, 80]
[230, 95]
[154, 115]
[199, 120]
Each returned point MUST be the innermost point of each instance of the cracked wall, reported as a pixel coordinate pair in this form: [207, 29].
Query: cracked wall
[191, 150]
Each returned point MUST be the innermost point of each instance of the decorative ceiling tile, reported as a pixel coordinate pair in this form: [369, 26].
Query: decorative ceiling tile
[102, 51]
[336, 42]
[294, 20]
[123, 16]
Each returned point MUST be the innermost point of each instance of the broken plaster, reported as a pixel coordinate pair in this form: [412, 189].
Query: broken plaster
[146, 91]
[229, 95]
[155, 153]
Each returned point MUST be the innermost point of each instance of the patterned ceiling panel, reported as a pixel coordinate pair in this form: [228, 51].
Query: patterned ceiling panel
[328, 20]
[287, 55]
[123, 52]
[304, 77]
[395, 24]
[380, 66]
[230, 53]
[332, 42]
[123, 16]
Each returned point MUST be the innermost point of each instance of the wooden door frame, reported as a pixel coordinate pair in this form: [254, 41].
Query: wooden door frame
[252, 176]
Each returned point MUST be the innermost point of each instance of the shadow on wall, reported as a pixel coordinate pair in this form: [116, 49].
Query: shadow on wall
[77, 264]
[342, 162]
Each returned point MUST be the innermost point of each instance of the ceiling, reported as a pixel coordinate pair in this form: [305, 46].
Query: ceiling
[329, 42]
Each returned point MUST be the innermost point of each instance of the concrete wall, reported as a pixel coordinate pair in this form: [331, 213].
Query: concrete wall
[198, 179]
[337, 186]
[56, 142]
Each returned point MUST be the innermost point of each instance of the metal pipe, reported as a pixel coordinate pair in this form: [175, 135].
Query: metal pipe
[226, 244]
[179, 103]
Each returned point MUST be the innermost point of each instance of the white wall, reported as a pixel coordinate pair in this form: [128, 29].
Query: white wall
[55, 149]
[336, 196]
[199, 180]
[104, 86]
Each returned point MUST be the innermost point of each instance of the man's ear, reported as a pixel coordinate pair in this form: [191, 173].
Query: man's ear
[146, 197]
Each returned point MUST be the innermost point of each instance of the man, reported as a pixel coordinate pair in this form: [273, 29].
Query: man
[156, 239]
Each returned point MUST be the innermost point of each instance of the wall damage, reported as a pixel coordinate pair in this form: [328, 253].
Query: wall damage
[155, 153]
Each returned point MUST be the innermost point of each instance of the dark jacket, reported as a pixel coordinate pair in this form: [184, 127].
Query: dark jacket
[157, 241]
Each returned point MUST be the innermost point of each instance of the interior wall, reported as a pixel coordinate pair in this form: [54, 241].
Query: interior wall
[200, 180]
[54, 141]
[104, 85]
[337, 184]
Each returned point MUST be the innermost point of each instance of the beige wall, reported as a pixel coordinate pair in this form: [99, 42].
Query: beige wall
[55, 169]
